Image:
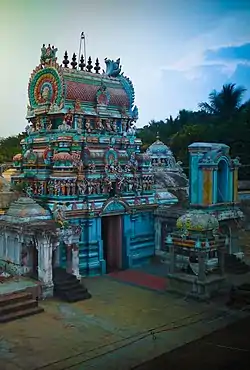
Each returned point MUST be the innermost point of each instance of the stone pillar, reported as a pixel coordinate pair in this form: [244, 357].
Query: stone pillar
[157, 235]
[221, 260]
[202, 265]
[56, 251]
[45, 265]
[75, 261]
[69, 258]
[172, 266]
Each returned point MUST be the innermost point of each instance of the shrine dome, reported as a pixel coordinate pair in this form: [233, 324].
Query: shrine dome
[162, 157]
[26, 210]
[159, 150]
[80, 87]
[197, 220]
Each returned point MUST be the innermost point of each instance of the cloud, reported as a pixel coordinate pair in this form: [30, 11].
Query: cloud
[231, 53]
[231, 31]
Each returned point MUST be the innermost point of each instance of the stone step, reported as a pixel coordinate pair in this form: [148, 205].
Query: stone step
[76, 293]
[19, 306]
[20, 314]
[67, 282]
[76, 297]
[67, 287]
[12, 298]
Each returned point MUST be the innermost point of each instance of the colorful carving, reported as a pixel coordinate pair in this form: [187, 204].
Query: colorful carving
[68, 118]
[83, 156]
[113, 68]
[48, 55]
[102, 95]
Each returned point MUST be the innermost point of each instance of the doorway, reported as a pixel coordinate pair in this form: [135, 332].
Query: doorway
[112, 242]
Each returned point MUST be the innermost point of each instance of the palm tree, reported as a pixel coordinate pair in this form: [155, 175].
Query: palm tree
[224, 103]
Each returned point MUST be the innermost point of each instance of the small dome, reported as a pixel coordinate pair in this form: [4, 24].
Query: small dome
[197, 220]
[159, 149]
[4, 184]
[8, 173]
[145, 157]
[62, 157]
[17, 157]
[26, 210]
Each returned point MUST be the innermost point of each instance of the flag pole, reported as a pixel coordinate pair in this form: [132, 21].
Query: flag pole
[80, 49]
[84, 45]
[82, 37]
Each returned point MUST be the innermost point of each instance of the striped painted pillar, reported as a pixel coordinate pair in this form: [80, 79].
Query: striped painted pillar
[235, 186]
[207, 186]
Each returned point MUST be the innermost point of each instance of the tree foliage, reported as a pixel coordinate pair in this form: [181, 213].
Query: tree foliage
[9, 147]
[224, 118]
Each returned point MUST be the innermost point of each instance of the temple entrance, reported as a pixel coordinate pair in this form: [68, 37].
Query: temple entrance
[112, 242]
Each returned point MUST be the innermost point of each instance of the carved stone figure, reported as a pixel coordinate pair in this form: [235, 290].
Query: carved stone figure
[68, 118]
[82, 187]
[92, 168]
[99, 125]
[113, 68]
[113, 125]
[108, 125]
[49, 125]
[79, 123]
[88, 127]
[48, 54]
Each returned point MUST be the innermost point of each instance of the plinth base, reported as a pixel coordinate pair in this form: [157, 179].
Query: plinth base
[190, 286]
[47, 291]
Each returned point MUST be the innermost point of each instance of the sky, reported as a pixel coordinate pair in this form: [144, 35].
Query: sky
[175, 51]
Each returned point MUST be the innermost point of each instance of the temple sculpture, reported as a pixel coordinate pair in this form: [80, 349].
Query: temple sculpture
[82, 165]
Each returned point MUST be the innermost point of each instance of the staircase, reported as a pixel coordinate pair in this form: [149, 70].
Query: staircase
[234, 265]
[17, 305]
[68, 288]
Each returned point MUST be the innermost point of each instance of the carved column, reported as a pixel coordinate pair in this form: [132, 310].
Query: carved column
[221, 260]
[75, 261]
[69, 258]
[71, 238]
[172, 266]
[45, 265]
[157, 235]
[56, 251]
[202, 265]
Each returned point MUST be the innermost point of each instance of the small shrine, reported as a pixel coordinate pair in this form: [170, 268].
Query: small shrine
[81, 161]
[28, 236]
[168, 173]
[207, 232]
[213, 187]
[169, 176]
[197, 238]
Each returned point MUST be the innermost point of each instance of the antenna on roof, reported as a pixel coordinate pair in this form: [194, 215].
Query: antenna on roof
[82, 37]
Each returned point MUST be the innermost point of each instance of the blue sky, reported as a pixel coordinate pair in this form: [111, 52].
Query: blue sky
[174, 51]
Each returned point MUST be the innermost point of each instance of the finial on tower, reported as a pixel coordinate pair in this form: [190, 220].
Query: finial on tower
[157, 135]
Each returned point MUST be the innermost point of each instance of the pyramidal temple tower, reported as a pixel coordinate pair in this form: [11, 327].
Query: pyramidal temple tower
[81, 160]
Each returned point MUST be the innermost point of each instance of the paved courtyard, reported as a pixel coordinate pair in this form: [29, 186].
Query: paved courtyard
[118, 328]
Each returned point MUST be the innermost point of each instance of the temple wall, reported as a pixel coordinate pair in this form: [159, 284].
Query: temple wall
[137, 243]
[142, 239]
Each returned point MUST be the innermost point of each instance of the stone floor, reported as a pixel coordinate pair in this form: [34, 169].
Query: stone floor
[230, 347]
[16, 284]
[120, 327]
